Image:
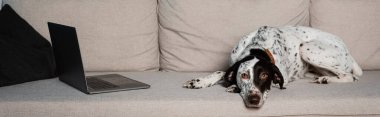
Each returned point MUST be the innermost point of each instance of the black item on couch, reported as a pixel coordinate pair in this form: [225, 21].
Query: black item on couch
[24, 54]
[70, 66]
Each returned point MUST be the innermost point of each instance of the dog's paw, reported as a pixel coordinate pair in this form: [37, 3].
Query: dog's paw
[233, 89]
[355, 78]
[278, 86]
[206, 81]
[321, 80]
[195, 84]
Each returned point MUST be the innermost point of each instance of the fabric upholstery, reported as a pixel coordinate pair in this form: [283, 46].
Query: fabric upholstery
[166, 98]
[198, 35]
[114, 35]
[356, 22]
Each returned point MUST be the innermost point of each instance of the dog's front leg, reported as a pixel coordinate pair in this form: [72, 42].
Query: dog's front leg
[205, 81]
[233, 89]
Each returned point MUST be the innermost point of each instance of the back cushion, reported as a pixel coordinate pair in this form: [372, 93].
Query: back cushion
[198, 35]
[114, 35]
[356, 22]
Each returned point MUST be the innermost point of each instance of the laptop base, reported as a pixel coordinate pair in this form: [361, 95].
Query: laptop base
[111, 83]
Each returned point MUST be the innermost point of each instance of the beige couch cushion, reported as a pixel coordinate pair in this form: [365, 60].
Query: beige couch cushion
[198, 35]
[356, 22]
[114, 35]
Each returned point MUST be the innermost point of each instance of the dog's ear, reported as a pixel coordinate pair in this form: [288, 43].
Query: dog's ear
[277, 76]
[229, 77]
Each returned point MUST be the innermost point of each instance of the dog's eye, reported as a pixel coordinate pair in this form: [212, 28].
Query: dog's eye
[263, 76]
[244, 76]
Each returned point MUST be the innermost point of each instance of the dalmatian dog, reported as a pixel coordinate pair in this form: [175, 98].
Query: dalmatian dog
[275, 56]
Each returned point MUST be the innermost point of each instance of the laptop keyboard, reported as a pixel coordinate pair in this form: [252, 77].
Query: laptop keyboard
[96, 84]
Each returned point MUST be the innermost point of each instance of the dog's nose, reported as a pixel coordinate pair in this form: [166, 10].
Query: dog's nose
[254, 99]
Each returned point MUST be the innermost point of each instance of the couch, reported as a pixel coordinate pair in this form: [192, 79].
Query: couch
[167, 42]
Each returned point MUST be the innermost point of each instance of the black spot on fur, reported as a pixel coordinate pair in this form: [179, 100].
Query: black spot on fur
[236, 90]
[295, 73]
[255, 43]
[295, 54]
[324, 81]
[198, 80]
[301, 44]
[261, 38]
[277, 41]
[307, 49]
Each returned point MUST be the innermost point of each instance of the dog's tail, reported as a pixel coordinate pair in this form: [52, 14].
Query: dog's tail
[357, 71]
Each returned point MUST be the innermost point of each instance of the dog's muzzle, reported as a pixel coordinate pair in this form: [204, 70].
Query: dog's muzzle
[253, 99]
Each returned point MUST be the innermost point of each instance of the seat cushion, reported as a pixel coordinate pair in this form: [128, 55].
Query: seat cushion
[117, 35]
[198, 35]
[166, 97]
[356, 22]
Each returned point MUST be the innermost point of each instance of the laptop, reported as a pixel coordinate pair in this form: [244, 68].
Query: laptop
[70, 67]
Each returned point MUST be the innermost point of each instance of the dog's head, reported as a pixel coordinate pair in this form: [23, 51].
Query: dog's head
[254, 76]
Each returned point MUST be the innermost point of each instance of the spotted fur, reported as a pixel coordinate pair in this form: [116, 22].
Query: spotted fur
[298, 52]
